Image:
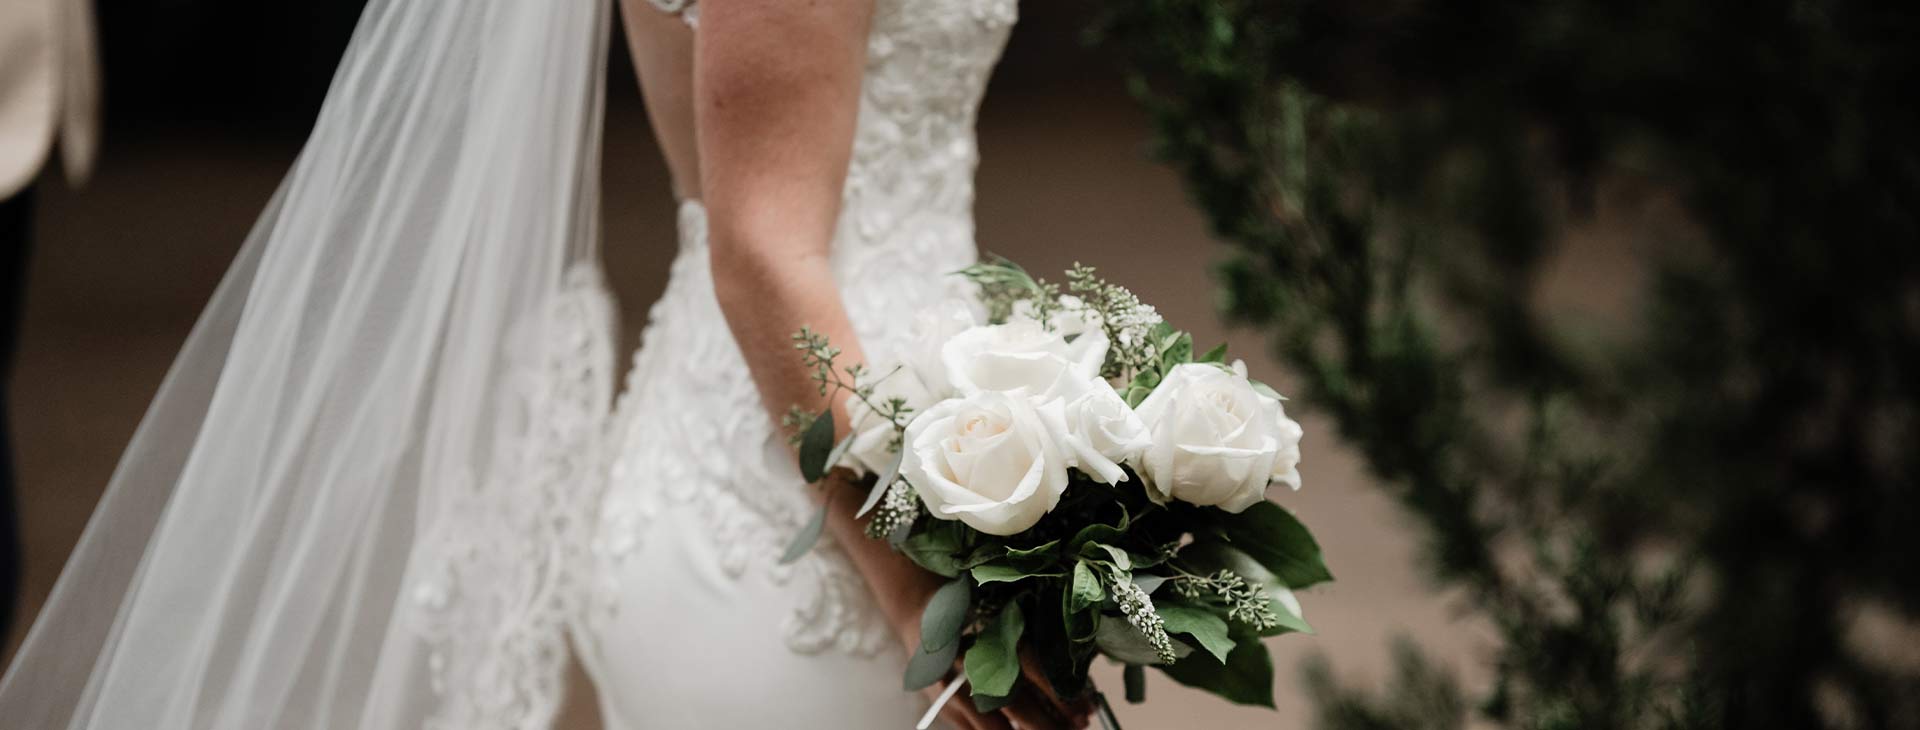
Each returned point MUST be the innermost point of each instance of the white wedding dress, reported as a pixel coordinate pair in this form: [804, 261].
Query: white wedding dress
[691, 623]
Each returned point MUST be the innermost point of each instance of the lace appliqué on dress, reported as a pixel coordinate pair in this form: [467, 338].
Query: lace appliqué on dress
[690, 428]
[495, 582]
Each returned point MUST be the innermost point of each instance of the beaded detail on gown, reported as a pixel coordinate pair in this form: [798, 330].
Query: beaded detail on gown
[690, 621]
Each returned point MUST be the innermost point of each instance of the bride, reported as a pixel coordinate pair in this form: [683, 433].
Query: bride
[387, 483]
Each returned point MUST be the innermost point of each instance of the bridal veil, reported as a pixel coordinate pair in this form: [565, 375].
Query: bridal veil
[350, 503]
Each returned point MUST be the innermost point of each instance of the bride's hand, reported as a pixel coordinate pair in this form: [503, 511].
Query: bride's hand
[1035, 705]
[902, 590]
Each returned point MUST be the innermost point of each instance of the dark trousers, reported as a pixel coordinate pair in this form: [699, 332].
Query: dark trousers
[16, 229]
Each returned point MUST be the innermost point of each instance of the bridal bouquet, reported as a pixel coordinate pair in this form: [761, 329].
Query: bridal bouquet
[1089, 485]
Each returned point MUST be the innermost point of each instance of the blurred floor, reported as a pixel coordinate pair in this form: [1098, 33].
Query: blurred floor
[123, 267]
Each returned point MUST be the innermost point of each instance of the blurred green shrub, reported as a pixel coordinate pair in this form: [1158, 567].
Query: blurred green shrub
[1706, 518]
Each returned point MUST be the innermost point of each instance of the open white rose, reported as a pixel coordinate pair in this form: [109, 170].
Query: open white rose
[1097, 431]
[986, 460]
[1022, 354]
[1215, 440]
[932, 328]
[870, 452]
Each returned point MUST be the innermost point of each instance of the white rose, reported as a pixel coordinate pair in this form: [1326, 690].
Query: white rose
[1286, 464]
[870, 452]
[986, 460]
[932, 328]
[1097, 431]
[1215, 440]
[1022, 354]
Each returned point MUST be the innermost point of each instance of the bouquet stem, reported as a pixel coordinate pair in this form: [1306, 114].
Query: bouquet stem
[946, 695]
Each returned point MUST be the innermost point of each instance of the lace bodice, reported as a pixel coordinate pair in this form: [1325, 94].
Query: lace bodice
[690, 428]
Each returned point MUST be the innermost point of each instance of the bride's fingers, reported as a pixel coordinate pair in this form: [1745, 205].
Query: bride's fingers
[1031, 713]
[960, 712]
[1075, 713]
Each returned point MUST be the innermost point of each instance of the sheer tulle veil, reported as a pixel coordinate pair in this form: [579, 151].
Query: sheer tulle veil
[353, 501]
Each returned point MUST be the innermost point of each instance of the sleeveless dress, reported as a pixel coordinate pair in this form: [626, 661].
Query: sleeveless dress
[689, 620]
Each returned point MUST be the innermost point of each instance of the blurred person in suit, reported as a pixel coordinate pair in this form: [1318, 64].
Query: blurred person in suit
[49, 100]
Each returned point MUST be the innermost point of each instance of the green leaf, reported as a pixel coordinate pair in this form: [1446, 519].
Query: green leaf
[1266, 390]
[1032, 551]
[838, 453]
[1120, 558]
[1142, 385]
[991, 703]
[1217, 354]
[881, 484]
[809, 535]
[934, 550]
[927, 667]
[1245, 678]
[993, 662]
[1284, 609]
[1204, 626]
[1177, 350]
[1120, 640]
[1149, 583]
[1135, 677]
[1209, 556]
[1086, 590]
[1006, 574]
[945, 615]
[1273, 537]
[816, 445]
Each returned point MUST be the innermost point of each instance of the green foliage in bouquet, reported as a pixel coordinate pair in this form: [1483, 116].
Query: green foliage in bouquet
[1705, 521]
[1108, 571]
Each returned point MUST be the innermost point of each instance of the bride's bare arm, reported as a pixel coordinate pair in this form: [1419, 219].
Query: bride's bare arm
[776, 93]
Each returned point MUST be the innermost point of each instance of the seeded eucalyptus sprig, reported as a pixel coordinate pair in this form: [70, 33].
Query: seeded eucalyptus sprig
[820, 356]
[1245, 602]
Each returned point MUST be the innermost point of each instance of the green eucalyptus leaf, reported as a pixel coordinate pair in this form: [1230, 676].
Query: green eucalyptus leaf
[1176, 351]
[945, 615]
[993, 662]
[1040, 549]
[1163, 331]
[934, 550]
[880, 485]
[816, 445]
[927, 667]
[1120, 640]
[986, 703]
[1136, 394]
[1266, 390]
[1246, 677]
[1086, 590]
[1077, 623]
[1149, 583]
[983, 555]
[1119, 557]
[1203, 625]
[1286, 608]
[839, 452]
[1217, 354]
[1148, 379]
[1277, 540]
[997, 573]
[808, 535]
[1210, 556]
